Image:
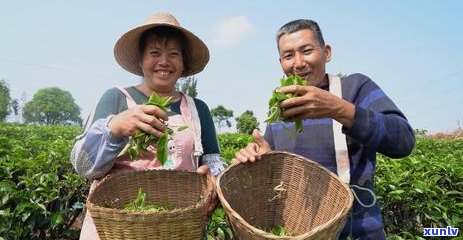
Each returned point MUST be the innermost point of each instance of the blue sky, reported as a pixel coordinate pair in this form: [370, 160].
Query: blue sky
[411, 49]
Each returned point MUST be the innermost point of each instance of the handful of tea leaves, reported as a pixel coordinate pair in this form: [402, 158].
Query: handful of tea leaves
[142, 140]
[279, 231]
[139, 204]
[277, 97]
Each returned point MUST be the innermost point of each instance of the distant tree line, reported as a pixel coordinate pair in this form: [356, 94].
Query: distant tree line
[53, 105]
[48, 106]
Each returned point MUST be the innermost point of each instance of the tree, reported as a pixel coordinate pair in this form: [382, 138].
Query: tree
[221, 116]
[187, 85]
[246, 122]
[341, 75]
[52, 106]
[5, 100]
[15, 106]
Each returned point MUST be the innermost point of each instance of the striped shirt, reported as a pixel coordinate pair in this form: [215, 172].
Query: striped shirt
[378, 127]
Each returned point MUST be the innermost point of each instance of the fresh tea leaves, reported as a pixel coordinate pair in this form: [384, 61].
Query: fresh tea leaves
[161, 149]
[142, 140]
[277, 97]
[279, 231]
[138, 204]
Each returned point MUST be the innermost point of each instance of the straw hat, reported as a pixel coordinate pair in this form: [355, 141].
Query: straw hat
[126, 48]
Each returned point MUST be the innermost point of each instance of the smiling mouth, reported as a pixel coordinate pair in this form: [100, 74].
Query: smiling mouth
[163, 73]
[302, 75]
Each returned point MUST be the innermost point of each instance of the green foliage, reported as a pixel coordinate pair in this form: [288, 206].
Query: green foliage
[15, 106]
[142, 140]
[221, 116]
[274, 112]
[218, 227]
[246, 122]
[52, 106]
[278, 230]
[419, 133]
[422, 190]
[188, 86]
[5, 100]
[139, 204]
[341, 75]
[230, 143]
[40, 195]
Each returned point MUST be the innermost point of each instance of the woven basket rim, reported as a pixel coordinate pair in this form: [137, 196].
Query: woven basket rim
[203, 201]
[225, 204]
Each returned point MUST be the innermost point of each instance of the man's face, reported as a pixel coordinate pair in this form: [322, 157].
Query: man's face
[301, 54]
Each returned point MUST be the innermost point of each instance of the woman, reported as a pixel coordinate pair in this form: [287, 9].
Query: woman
[161, 52]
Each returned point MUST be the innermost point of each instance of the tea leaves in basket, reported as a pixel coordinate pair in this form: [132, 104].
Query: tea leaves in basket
[139, 204]
[279, 231]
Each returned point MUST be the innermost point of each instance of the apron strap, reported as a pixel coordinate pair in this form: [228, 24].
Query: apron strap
[130, 104]
[342, 154]
[190, 114]
[340, 143]
[89, 121]
[130, 101]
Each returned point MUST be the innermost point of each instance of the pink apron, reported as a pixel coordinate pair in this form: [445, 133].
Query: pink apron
[181, 149]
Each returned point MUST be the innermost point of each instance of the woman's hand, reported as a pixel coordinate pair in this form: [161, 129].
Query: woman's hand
[253, 151]
[147, 118]
[204, 169]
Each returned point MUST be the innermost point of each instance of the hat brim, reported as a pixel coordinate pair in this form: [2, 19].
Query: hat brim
[128, 57]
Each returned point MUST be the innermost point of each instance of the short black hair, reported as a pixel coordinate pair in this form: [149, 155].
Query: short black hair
[300, 24]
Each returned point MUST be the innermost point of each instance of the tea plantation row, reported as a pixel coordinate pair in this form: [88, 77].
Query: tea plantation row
[41, 196]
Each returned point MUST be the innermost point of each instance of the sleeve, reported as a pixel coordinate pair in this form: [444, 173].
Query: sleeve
[378, 122]
[94, 151]
[211, 155]
[268, 136]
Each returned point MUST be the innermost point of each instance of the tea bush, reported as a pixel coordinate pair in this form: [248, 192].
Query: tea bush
[232, 142]
[41, 195]
[422, 190]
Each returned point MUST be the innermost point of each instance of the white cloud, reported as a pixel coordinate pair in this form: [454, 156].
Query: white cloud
[231, 31]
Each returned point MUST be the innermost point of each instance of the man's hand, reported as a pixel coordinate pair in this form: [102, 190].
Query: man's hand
[253, 151]
[314, 103]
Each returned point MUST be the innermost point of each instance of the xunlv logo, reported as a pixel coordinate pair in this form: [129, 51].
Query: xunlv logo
[448, 231]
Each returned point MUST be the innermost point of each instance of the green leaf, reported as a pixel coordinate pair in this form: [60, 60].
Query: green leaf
[278, 230]
[298, 126]
[453, 193]
[161, 148]
[78, 205]
[220, 233]
[56, 219]
[141, 140]
[181, 128]
[274, 113]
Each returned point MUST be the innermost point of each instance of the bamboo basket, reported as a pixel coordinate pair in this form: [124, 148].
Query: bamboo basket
[284, 189]
[187, 193]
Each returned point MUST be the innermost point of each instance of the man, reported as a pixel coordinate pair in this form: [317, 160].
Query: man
[361, 113]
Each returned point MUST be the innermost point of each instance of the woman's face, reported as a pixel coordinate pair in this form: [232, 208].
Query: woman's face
[162, 63]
